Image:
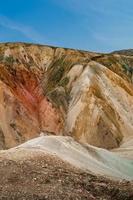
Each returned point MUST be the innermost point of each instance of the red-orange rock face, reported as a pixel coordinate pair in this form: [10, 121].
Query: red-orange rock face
[62, 91]
[24, 110]
[17, 124]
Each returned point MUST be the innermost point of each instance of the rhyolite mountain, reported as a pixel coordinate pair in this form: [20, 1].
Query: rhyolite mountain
[59, 91]
[66, 123]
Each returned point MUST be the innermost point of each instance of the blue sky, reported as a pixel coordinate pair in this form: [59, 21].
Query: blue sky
[96, 25]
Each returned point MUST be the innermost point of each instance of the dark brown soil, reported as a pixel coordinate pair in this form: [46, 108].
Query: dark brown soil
[45, 177]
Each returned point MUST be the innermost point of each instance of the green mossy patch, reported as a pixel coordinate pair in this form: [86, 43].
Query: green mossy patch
[127, 68]
[9, 60]
[1, 57]
[64, 82]
[56, 75]
[59, 97]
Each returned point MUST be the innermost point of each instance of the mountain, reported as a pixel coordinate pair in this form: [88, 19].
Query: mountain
[127, 52]
[86, 95]
[66, 123]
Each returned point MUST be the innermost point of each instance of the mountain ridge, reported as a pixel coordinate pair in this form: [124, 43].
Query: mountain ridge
[50, 89]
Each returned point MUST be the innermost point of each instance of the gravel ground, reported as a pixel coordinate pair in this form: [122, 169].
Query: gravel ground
[32, 175]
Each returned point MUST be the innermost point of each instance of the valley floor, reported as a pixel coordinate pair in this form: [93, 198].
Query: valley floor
[47, 177]
[28, 174]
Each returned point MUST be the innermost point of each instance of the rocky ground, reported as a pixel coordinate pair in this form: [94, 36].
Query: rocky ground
[32, 175]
